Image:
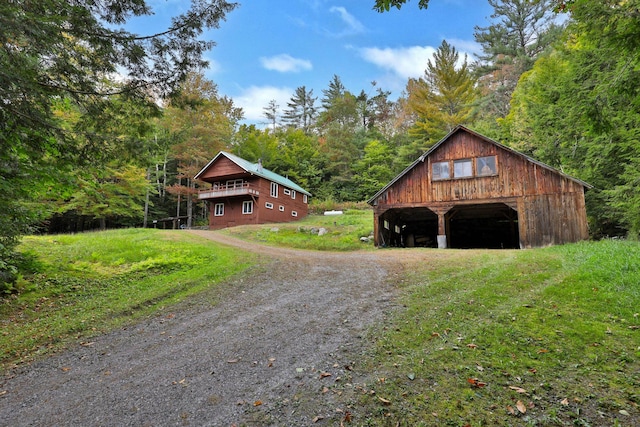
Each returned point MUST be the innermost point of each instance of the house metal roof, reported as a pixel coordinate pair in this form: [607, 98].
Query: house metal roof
[256, 169]
[458, 128]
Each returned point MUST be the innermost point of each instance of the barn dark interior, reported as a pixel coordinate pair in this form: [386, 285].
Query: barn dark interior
[491, 226]
[410, 227]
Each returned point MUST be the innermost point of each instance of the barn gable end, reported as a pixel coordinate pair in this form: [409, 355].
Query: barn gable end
[471, 191]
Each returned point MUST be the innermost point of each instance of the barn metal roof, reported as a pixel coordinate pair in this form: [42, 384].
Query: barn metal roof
[256, 169]
[458, 128]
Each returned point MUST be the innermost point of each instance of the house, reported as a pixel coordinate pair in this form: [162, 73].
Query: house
[469, 191]
[242, 193]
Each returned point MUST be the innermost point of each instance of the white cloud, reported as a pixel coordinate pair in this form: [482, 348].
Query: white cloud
[469, 47]
[407, 62]
[285, 63]
[254, 99]
[404, 62]
[353, 25]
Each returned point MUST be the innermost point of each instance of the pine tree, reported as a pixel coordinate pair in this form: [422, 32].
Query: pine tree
[520, 32]
[301, 111]
[443, 98]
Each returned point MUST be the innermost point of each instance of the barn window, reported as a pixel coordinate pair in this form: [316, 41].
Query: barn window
[486, 166]
[294, 213]
[293, 194]
[274, 189]
[304, 199]
[441, 170]
[286, 192]
[268, 205]
[462, 168]
[247, 207]
[281, 208]
[219, 209]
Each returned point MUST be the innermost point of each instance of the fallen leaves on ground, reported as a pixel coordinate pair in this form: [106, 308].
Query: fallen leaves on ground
[517, 389]
[476, 383]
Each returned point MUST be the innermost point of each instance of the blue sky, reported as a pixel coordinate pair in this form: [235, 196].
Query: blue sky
[267, 48]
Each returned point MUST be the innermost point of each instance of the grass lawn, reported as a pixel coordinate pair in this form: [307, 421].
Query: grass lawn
[542, 337]
[343, 232]
[500, 338]
[84, 284]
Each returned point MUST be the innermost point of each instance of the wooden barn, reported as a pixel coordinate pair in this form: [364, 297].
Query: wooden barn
[469, 191]
[242, 193]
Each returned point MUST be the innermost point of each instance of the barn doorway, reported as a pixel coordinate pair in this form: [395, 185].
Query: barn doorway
[491, 226]
[408, 227]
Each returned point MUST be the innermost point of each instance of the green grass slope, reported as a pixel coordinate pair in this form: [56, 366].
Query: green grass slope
[502, 338]
[83, 284]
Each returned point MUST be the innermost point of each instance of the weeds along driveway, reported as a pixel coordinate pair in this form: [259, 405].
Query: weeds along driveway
[280, 347]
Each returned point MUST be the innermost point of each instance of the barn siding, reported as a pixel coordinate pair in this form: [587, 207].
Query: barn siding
[550, 205]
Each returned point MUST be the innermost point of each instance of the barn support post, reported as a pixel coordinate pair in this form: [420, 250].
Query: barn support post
[442, 227]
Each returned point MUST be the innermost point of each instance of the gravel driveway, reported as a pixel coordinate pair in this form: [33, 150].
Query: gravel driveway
[280, 348]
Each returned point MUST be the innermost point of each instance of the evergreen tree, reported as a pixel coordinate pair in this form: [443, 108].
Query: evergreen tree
[301, 111]
[443, 98]
[521, 30]
[271, 113]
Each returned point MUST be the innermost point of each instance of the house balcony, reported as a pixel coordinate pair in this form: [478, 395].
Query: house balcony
[220, 191]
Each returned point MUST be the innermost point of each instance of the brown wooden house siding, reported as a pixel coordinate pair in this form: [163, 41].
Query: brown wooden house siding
[254, 188]
[550, 206]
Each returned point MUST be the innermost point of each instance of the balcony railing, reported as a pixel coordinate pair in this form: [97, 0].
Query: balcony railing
[218, 191]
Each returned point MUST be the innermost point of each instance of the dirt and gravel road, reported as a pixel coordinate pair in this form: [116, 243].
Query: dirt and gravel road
[281, 347]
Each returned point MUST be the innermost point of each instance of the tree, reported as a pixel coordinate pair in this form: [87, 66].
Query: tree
[443, 98]
[301, 111]
[578, 109]
[520, 32]
[203, 123]
[385, 5]
[271, 113]
[117, 190]
[60, 49]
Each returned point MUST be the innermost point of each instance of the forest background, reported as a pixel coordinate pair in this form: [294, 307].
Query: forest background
[82, 148]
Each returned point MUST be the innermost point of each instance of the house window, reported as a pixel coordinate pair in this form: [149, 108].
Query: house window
[281, 208]
[274, 189]
[486, 166]
[286, 191]
[219, 209]
[235, 183]
[247, 207]
[293, 194]
[268, 205]
[304, 198]
[462, 168]
[294, 213]
[441, 170]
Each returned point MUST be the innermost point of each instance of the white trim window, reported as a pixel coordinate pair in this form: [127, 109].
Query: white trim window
[247, 207]
[274, 190]
[281, 208]
[218, 209]
[304, 198]
[286, 191]
[268, 205]
[293, 194]
[294, 213]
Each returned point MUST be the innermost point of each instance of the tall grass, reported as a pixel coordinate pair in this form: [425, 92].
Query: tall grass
[537, 337]
[82, 284]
